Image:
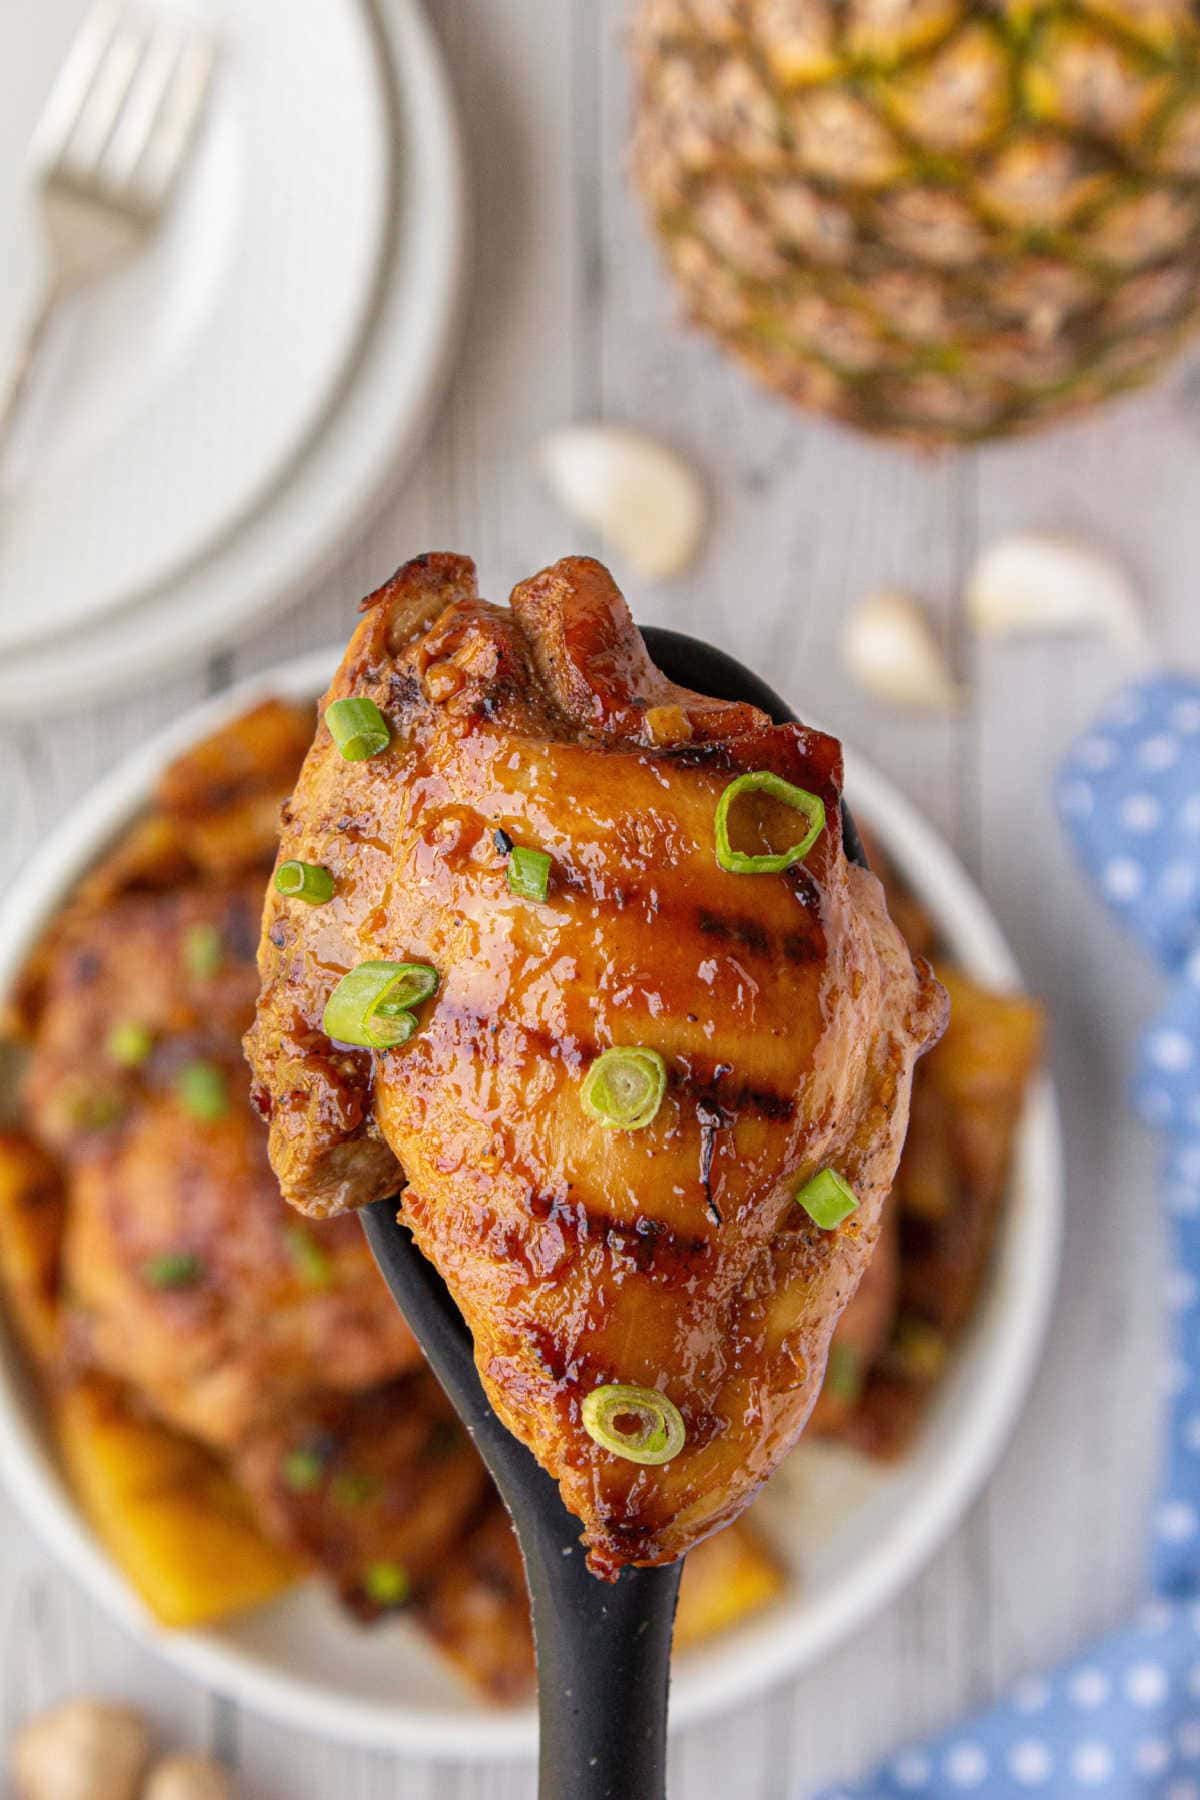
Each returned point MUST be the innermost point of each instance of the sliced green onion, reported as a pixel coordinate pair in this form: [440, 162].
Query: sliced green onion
[386, 1583]
[353, 1488]
[372, 1005]
[83, 1107]
[310, 882]
[203, 951]
[810, 806]
[311, 1260]
[640, 1424]
[919, 1348]
[394, 1026]
[844, 1377]
[624, 1087]
[827, 1199]
[174, 1269]
[302, 1469]
[358, 728]
[203, 1091]
[129, 1043]
[528, 872]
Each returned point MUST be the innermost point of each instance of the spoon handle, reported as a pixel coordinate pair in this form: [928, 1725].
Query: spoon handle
[603, 1649]
[603, 1655]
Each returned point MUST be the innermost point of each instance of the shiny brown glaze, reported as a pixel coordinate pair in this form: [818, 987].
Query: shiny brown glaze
[787, 1008]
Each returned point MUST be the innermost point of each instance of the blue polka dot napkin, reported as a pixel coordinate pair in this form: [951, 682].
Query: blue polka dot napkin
[1123, 1723]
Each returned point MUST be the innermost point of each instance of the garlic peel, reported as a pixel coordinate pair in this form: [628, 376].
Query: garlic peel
[889, 649]
[187, 1778]
[642, 497]
[85, 1750]
[1034, 582]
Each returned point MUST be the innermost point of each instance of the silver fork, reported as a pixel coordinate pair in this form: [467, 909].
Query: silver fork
[115, 133]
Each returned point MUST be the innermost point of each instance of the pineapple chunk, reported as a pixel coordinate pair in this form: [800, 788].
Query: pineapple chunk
[726, 1578]
[31, 1225]
[171, 1517]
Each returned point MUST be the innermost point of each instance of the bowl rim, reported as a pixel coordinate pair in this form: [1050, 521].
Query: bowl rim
[1005, 1345]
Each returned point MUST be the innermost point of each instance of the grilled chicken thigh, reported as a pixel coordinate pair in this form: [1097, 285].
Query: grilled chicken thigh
[183, 1272]
[645, 1235]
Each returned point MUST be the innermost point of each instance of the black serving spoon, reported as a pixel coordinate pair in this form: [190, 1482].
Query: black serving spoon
[603, 1649]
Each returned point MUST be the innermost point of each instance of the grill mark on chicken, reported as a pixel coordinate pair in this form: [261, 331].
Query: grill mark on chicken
[747, 932]
[797, 947]
[769, 1102]
[656, 1247]
[804, 945]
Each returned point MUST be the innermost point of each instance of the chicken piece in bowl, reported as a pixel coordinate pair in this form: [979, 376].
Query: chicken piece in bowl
[182, 1271]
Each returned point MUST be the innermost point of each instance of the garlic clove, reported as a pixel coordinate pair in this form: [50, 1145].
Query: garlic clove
[85, 1750]
[187, 1778]
[890, 651]
[643, 498]
[1032, 582]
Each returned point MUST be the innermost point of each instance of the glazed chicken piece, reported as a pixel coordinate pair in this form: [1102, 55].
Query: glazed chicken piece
[477, 1608]
[377, 1488]
[666, 1253]
[183, 1272]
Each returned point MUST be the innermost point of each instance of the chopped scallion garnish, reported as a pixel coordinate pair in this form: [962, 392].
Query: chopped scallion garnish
[203, 950]
[919, 1349]
[87, 1107]
[311, 1259]
[174, 1269]
[827, 1199]
[129, 1043]
[358, 728]
[302, 1469]
[386, 1583]
[624, 1087]
[203, 1091]
[352, 1487]
[640, 1424]
[762, 781]
[310, 882]
[371, 1006]
[528, 872]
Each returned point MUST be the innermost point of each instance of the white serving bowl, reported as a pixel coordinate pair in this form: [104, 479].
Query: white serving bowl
[851, 1532]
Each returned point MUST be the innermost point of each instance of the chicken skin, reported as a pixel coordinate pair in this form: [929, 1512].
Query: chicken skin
[783, 1011]
[183, 1272]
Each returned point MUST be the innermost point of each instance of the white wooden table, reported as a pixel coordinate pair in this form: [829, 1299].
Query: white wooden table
[572, 319]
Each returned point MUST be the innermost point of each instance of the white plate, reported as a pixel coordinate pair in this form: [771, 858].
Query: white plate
[176, 392]
[376, 420]
[851, 1532]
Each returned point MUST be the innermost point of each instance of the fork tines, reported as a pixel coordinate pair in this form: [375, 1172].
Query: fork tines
[121, 114]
